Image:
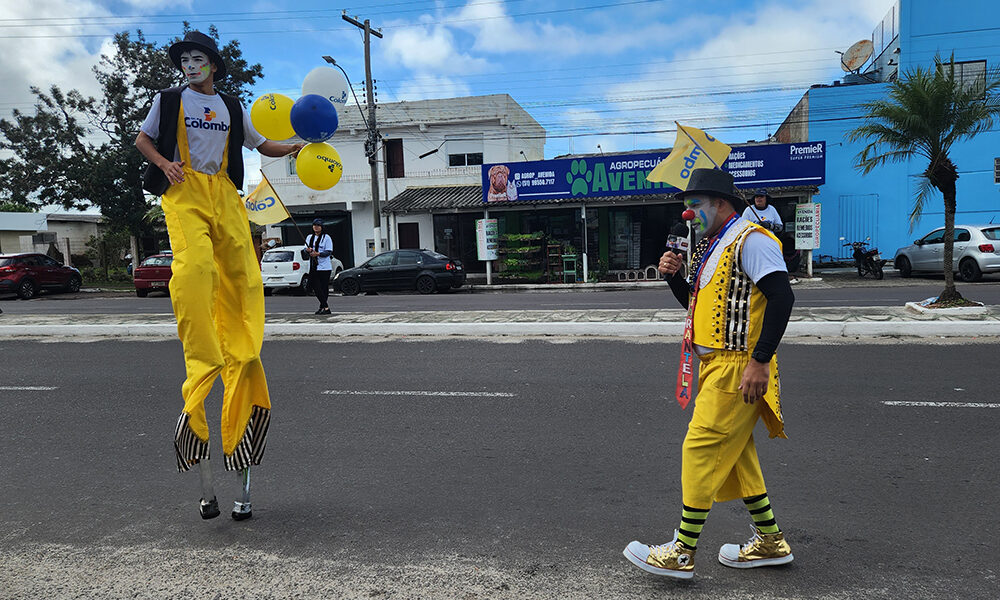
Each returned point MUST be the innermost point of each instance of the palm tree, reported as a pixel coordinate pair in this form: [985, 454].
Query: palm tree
[926, 113]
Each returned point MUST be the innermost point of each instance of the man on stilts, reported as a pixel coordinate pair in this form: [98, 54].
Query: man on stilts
[193, 139]
[739, 302]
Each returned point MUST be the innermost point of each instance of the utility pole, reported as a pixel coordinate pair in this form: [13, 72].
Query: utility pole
[371, 143]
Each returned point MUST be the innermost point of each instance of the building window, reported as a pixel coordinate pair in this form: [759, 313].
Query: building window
[996, 170]
[291, 164]
[465, 160]
[464, 150]
[394, 159]
[971, 75]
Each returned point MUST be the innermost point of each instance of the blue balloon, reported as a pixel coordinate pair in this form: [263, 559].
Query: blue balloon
[314, 118]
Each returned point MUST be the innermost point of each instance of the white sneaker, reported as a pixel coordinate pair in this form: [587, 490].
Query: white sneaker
[761, 550]
[673, 559]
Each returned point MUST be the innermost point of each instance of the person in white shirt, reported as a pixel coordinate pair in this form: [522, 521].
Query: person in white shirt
[763, 213]
[193, 139]
[320, 249]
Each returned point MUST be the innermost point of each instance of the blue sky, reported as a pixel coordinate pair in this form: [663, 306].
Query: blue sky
[610, 72]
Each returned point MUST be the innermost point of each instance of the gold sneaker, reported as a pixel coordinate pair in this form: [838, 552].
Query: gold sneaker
[762, 550]
[673, 559]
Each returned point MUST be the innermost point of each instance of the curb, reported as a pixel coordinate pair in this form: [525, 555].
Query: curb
[796, 329]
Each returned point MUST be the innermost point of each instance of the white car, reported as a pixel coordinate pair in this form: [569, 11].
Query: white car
[283, 268]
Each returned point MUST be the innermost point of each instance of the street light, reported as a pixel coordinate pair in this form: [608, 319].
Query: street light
[429, 152]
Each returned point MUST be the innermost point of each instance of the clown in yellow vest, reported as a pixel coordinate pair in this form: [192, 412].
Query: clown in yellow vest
[192, 138]
[739, 301]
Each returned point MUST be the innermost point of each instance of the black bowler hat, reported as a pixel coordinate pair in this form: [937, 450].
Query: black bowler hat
[715, 183]
[196, 40]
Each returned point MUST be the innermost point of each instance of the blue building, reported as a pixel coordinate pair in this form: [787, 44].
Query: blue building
[877, 206]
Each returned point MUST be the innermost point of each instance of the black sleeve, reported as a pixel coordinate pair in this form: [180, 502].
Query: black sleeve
[681, 288]
[326, 253]
[780, 299]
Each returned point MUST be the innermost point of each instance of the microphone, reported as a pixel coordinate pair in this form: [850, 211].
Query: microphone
[678, 238]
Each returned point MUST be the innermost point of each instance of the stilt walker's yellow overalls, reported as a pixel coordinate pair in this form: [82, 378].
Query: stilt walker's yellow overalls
[218, 300]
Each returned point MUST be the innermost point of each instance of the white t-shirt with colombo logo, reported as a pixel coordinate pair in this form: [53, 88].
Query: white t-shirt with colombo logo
[207, 122]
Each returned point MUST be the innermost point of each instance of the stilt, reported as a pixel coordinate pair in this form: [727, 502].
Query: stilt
[241, 508]
[208, 506]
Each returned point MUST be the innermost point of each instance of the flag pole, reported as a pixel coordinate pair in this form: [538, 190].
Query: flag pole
[296, 225]
[717, 166]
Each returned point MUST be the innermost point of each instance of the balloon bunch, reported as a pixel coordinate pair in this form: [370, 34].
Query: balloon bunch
[314, 118]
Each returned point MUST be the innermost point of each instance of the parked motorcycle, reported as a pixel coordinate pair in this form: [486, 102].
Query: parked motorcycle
[867, 260]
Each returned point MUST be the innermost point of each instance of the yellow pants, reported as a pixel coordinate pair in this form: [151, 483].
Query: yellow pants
[719, 460]
[218, 300]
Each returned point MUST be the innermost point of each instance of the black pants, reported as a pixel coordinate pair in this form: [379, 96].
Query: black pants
[321, 286]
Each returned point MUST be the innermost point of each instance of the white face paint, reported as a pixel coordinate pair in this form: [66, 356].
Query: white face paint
[195, 65]
[705, 212]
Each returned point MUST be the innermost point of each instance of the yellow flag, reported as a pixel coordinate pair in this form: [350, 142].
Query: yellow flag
[263, 205]
[693, 149]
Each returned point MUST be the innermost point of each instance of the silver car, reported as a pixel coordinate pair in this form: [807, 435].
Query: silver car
[977, 251]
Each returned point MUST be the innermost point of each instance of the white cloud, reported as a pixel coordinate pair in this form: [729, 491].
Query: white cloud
[430, 86]
[750, 72]
[44, 61]
[431, 49]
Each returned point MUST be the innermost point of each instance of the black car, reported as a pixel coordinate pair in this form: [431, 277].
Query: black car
[421, 270]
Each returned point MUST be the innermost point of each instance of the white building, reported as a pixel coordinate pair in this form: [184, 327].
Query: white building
[459, 133]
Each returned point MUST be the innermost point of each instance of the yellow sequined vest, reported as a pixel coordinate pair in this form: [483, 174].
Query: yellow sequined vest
[730, 309]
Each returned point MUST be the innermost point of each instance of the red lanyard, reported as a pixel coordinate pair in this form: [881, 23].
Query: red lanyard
[685, 372]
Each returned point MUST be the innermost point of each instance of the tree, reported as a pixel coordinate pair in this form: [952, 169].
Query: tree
[927, 112]
[77, 152]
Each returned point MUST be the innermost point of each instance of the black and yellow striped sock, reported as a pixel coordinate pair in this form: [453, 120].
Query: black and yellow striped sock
[761, 513]
[692, 522]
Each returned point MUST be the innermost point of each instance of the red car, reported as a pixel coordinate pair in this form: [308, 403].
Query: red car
[27, 274]
[153, 274]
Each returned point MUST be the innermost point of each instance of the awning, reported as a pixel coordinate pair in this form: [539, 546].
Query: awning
[306, 222]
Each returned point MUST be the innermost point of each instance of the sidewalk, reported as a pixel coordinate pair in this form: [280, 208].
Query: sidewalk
[826, 322]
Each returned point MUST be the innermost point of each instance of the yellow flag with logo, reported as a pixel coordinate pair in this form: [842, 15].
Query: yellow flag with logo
[263, 205]
[693, 149]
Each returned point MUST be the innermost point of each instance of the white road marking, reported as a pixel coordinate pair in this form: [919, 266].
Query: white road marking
[418, 393]
[26, 388]
[941, 404]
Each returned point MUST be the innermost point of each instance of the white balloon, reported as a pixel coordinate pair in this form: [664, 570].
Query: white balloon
[329, 83]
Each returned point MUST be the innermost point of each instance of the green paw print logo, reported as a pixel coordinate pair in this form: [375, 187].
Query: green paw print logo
[579, 176]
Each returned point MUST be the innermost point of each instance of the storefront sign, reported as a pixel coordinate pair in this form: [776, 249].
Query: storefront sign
[768, 165]
[486, 239]
[807, 222]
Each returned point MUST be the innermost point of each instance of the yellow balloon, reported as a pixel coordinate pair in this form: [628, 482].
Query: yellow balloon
[318, 166]
[271, 116]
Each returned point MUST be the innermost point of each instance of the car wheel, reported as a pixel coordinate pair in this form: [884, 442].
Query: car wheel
[141, 293]
[969, 270]
[425, 284]
[904, 267]
[268, 291]
[27, 290]
[304, 288]
[350, 287]
[74, 285]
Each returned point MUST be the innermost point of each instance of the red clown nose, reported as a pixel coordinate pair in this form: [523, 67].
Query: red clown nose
[688, 215]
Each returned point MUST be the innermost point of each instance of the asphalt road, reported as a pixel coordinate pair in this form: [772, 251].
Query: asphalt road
[854, 293]
[529, 488]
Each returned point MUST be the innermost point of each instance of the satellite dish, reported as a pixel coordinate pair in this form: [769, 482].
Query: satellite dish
[856, 56]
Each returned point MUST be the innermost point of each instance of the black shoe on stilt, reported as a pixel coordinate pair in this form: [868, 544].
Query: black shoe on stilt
[209, 509]
[241, 511]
